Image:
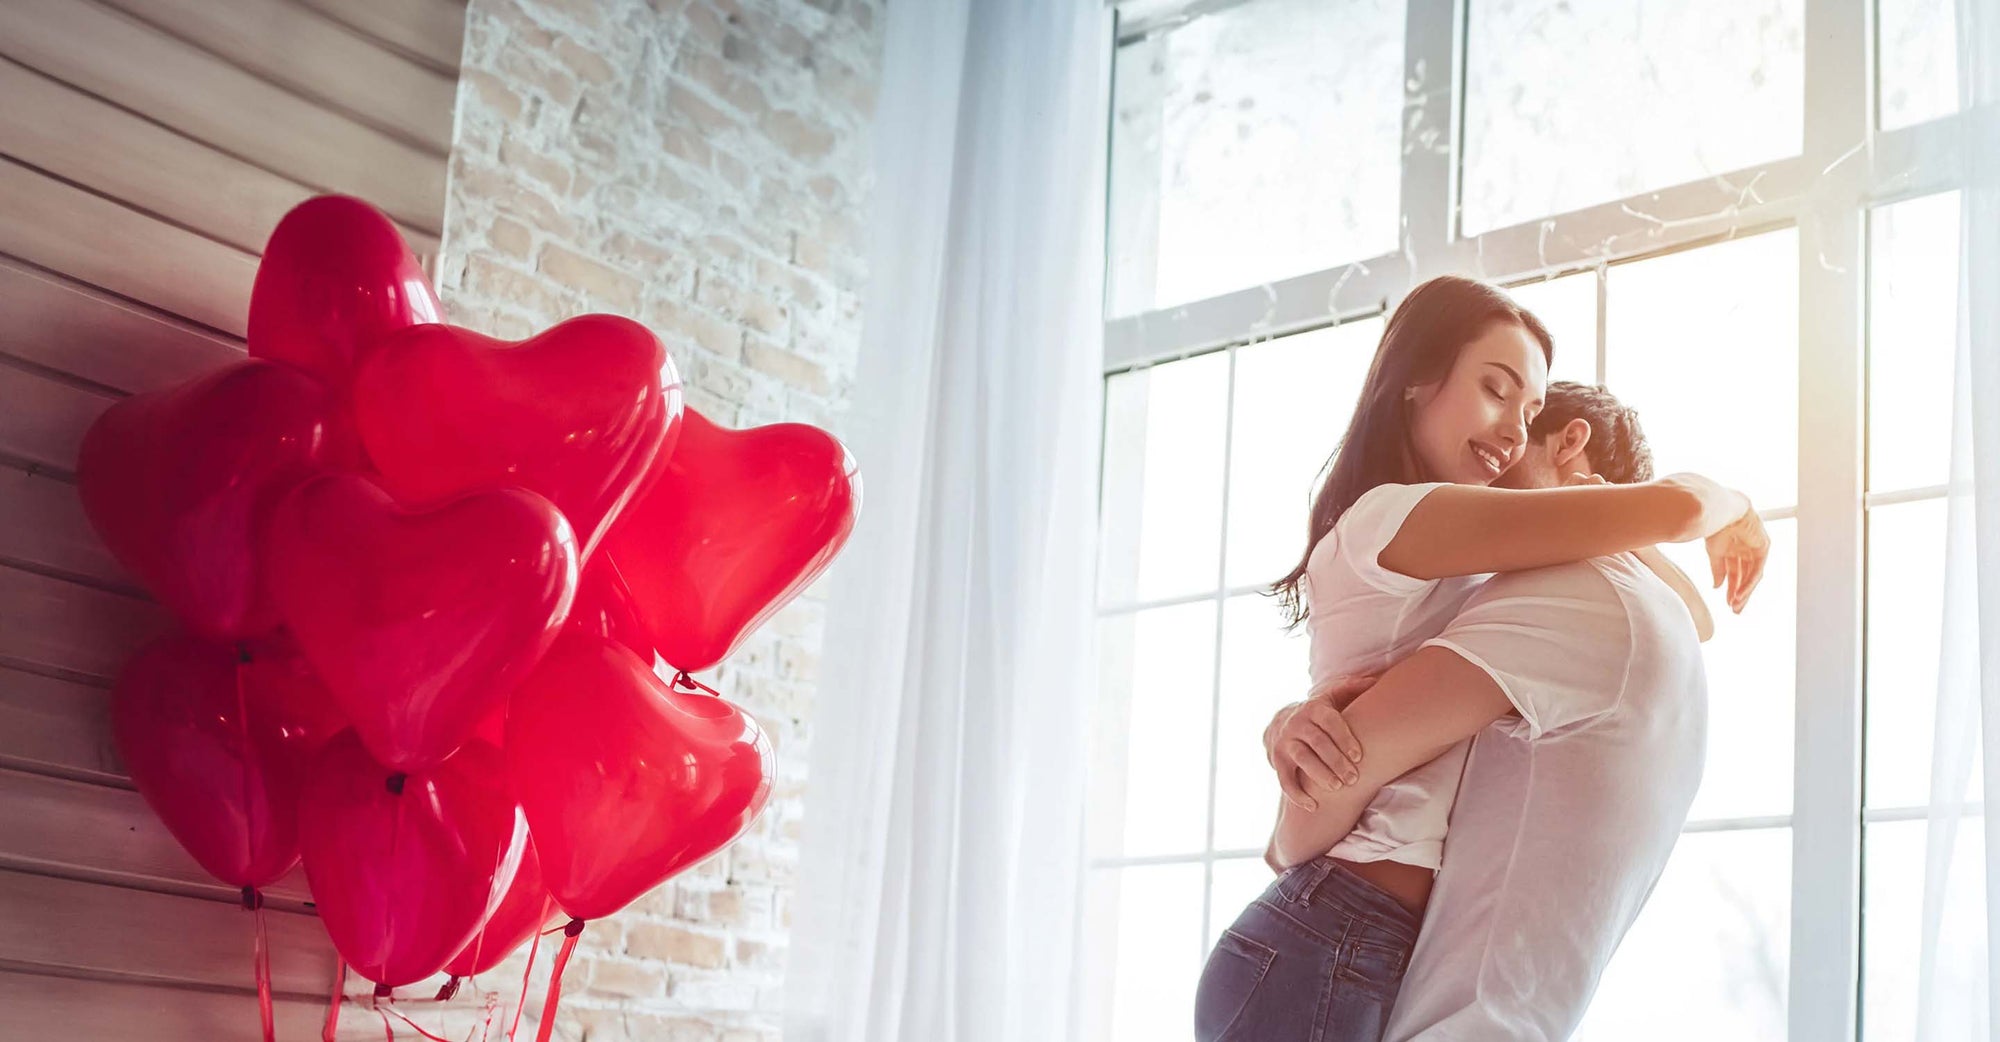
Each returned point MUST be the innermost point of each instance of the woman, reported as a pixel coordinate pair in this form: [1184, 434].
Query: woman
[1401, 533]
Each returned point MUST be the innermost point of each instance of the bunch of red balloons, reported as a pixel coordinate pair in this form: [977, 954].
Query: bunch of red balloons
[424, 576]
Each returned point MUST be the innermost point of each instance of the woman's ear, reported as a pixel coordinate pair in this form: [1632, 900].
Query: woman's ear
[1575, 437]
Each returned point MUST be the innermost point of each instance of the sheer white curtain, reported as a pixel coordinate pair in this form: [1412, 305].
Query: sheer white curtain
[942, 860]
[1959, 996]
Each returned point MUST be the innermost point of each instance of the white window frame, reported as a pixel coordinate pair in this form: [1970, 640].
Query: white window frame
[1847, 167]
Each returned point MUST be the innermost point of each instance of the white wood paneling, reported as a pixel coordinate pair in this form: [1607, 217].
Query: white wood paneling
[130, 63]
[293, 45]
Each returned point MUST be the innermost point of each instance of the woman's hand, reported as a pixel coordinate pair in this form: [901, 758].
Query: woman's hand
[1736, 556]
[1311, 740]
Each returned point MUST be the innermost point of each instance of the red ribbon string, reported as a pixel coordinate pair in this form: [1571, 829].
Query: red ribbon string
[570, 934]
[326, 1034]
[684, 679]
[254, 901]
[414, 1026]
[527, 971]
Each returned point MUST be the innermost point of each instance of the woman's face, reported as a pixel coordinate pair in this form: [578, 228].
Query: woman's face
[1472, 425]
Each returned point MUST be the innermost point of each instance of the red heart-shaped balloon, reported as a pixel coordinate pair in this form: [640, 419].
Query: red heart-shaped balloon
[625, 781]
[419, 622]
[576, 414]
[218, 747]
[524, 909]
[178, 482]
[404, 869]
[335, 276]
[733, 526]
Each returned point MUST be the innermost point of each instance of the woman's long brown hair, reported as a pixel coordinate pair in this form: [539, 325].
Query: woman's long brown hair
[1422, 341]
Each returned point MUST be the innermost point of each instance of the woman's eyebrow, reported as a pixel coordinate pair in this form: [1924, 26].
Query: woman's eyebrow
[1518, 382]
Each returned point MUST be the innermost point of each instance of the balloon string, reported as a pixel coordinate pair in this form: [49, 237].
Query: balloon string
[687, 680]
[254, 902]
[492, 1007]
[570, 934]
[527, 971]
[332, 1027]
[414, 1026]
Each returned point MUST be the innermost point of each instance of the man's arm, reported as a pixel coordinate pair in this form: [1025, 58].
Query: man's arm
[1419, 709]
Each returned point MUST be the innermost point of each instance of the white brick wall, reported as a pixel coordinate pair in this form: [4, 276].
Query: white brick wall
[699, 165]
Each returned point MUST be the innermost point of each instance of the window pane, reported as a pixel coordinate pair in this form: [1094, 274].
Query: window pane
[1293, 398]
[1912, 341]
[1256, 143]
[1892, 924]
[1162, 498]
[1263, 667]
[1705, 344]
[1573, 104]
[1158, 950]
[1150, 763]
[1918, 41]
[1752, 667]
[1709, 956]
[1568, 307]
[1238, 881]
[1906, 597]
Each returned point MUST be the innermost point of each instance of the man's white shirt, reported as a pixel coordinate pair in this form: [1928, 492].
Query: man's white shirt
[1565, 817]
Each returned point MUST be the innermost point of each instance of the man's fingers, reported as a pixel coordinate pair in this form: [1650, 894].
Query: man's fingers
[1288, 780]
[1334, 724]
[1335, 762]
[1313, 765]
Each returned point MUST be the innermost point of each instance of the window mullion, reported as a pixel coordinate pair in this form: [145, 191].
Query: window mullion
[1826, 835]
[1432, 96]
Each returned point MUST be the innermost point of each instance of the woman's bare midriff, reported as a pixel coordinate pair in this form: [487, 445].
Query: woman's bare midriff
[1410, 885]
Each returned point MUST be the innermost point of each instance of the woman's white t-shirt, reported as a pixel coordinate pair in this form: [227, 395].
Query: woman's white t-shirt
[1363, 618]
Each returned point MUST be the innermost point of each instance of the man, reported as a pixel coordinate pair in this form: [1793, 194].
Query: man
[1584, 686]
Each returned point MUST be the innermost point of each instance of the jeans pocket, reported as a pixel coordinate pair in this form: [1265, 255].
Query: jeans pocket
[1375, 964]
[1235, 968]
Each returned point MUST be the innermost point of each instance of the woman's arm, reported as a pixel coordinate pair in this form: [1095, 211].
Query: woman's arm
[1473, 529]
[1420, 708]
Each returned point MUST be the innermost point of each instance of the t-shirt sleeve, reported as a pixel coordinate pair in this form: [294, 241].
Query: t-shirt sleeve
[1555, 640]
[1370, 524]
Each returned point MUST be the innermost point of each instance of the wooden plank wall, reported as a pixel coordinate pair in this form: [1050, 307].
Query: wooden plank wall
[147, 147]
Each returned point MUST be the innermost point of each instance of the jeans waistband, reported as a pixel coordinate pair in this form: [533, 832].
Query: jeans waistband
[1324, 880]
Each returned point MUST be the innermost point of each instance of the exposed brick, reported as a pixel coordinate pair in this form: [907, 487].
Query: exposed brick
[626, 979]
[510, 237]
[493, 93]
[490, 278]
[599, 281]
[791, 368]
[700, 165]
[801, 138]
[675, 944]
[546, 169]
[586, 64]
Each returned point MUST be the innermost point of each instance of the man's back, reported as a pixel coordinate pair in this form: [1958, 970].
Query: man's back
[1565, 817]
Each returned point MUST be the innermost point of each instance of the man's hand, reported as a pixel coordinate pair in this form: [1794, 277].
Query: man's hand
[1310, 740]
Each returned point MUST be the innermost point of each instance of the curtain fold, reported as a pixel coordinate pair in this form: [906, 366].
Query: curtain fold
[1958, 991]
[942, 861]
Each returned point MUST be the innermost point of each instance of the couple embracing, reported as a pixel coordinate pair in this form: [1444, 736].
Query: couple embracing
[1507, 717]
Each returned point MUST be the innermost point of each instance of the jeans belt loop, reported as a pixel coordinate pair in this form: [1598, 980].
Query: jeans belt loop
[1309, 884]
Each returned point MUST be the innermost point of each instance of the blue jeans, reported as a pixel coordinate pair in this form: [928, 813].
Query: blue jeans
[1318, 958]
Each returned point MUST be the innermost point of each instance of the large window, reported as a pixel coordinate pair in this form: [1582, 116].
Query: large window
[1673, 188]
